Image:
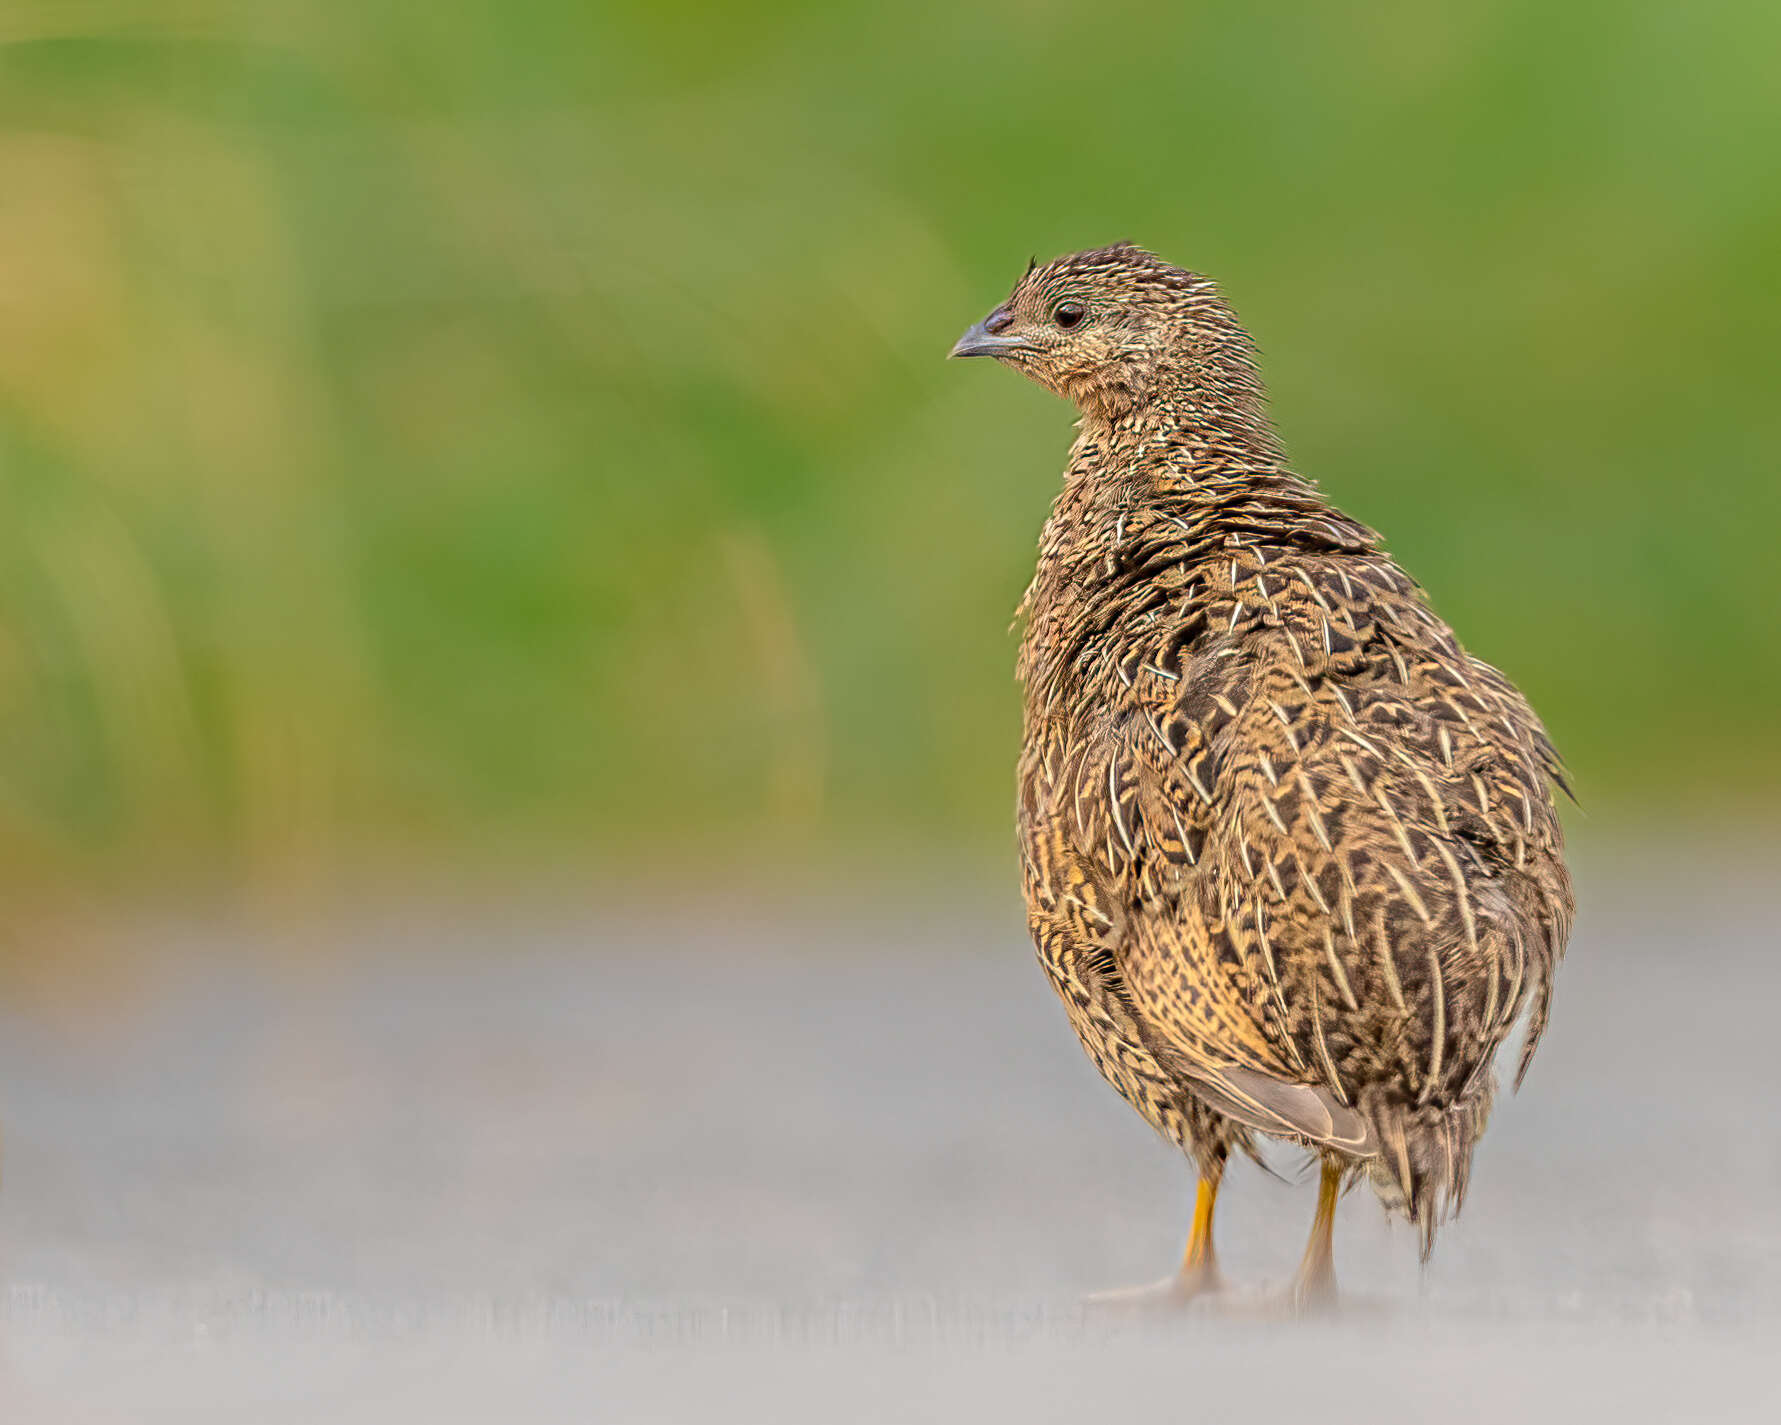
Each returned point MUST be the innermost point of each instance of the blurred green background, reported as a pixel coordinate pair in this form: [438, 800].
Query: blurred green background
[511, 434]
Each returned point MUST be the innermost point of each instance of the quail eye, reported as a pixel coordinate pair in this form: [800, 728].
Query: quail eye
[1068, 314]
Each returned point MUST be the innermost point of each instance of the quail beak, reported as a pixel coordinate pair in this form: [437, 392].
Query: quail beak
[989, 338]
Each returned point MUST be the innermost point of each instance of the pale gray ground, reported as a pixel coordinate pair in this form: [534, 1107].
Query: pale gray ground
[842, 1165]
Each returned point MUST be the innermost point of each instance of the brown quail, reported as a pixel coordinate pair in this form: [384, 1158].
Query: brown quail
[1291, 855]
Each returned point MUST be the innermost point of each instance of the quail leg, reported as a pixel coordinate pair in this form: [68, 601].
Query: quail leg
[1315, 1286]
[1198, 1272]
[1199, 1262]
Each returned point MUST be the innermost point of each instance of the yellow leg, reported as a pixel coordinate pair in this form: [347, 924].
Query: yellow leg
[1316, 1284]
[1199, 1263]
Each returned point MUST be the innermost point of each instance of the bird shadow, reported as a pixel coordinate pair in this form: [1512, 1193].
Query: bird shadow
[1164, 1303]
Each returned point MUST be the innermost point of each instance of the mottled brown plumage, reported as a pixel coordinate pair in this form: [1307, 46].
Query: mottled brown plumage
[1291, 856]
